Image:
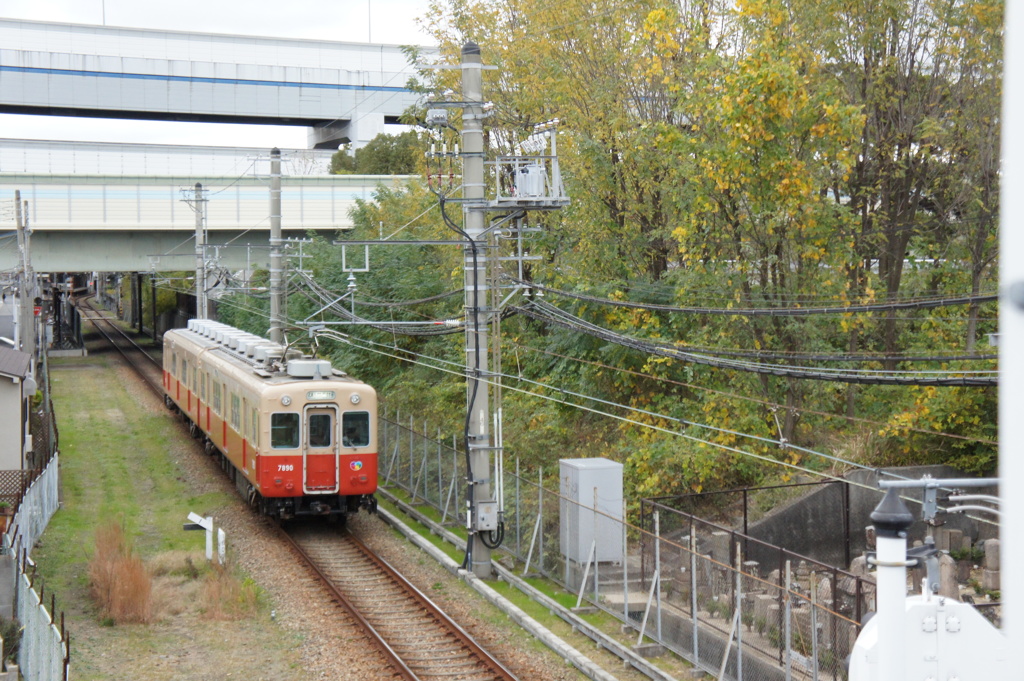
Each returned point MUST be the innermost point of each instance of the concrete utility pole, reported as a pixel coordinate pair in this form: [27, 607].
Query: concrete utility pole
[276, 294]
[202, 308]
[477, 297]
[152, 300]
[26, 309]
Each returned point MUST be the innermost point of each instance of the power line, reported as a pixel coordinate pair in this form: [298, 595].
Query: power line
[770, 311]
[766, 403]
[549, 314]
[417, 357]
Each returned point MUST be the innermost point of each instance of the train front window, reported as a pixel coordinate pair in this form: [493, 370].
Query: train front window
[355, 429]
[284, 431]
[320, 430]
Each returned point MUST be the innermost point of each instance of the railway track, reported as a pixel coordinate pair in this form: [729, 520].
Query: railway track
[148, 367]
[419, 639]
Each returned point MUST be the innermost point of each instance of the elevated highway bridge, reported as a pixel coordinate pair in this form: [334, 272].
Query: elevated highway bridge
[344, 92]
[126, 208]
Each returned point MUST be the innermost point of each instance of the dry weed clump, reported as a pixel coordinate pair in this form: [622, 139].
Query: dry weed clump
[227, 597]
[120, 583]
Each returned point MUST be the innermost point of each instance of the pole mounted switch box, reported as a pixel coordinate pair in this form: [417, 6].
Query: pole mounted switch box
[486, 516]
[437, 117]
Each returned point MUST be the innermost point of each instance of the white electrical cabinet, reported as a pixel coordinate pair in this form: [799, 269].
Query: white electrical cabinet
[583, 481]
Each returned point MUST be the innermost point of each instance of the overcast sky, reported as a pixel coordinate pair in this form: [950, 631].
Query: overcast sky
[384, 21]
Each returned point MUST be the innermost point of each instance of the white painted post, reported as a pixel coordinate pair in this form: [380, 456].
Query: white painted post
[891, 519]
[209, 537]
[222, 540]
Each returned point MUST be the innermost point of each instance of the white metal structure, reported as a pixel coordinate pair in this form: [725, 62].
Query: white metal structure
[1011, 325]
[343, 91]
[925, 636]
[50, 157]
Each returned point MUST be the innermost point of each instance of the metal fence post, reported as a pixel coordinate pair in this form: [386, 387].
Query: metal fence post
[519, 517]
[455, 472]
[814, 626]
[657, 566]
[739, 612]
[540, 517]
[596, 571]
[423, 468]
[788, 621]
[693, 593]
[625, 566]
[412, 432]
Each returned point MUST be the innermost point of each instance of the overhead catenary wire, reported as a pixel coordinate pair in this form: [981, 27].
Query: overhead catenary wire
[457, 369]
[771, 311]
[730, 297]
[546, 313]
[747, 398]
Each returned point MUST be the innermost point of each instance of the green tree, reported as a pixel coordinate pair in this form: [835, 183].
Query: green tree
[383, 155]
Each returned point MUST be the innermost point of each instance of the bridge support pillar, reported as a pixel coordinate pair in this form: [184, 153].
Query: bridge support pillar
[355, 132]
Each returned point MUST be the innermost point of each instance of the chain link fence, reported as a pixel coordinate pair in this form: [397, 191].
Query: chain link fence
[675, 581]
[33, 494]
[418, 461]
[44, 654]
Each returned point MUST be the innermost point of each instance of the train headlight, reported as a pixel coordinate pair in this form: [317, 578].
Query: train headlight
[286, 400]
[355, 398]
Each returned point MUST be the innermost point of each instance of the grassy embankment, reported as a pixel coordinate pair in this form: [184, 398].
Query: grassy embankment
[121, 461]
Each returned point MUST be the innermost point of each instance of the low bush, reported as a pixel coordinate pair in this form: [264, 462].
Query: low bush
[120, 584]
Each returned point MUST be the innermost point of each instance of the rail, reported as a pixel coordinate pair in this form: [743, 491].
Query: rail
[352, 562]
[149, 368]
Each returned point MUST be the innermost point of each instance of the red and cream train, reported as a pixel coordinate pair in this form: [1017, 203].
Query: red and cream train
[295, 435]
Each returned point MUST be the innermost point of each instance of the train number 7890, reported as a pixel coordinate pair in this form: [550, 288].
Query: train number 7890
[285, 467]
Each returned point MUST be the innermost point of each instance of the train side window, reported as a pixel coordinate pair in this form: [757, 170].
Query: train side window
[184, 371]
[236, 415]
[355, 429]
[254, 425]
[216, 398]
[202, 386]
[284, 431]
[174, 364]
[320, 427]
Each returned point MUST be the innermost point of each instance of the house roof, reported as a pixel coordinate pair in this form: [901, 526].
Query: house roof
[14, 363]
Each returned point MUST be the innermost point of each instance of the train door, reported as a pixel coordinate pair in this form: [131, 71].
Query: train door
[320, 450]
